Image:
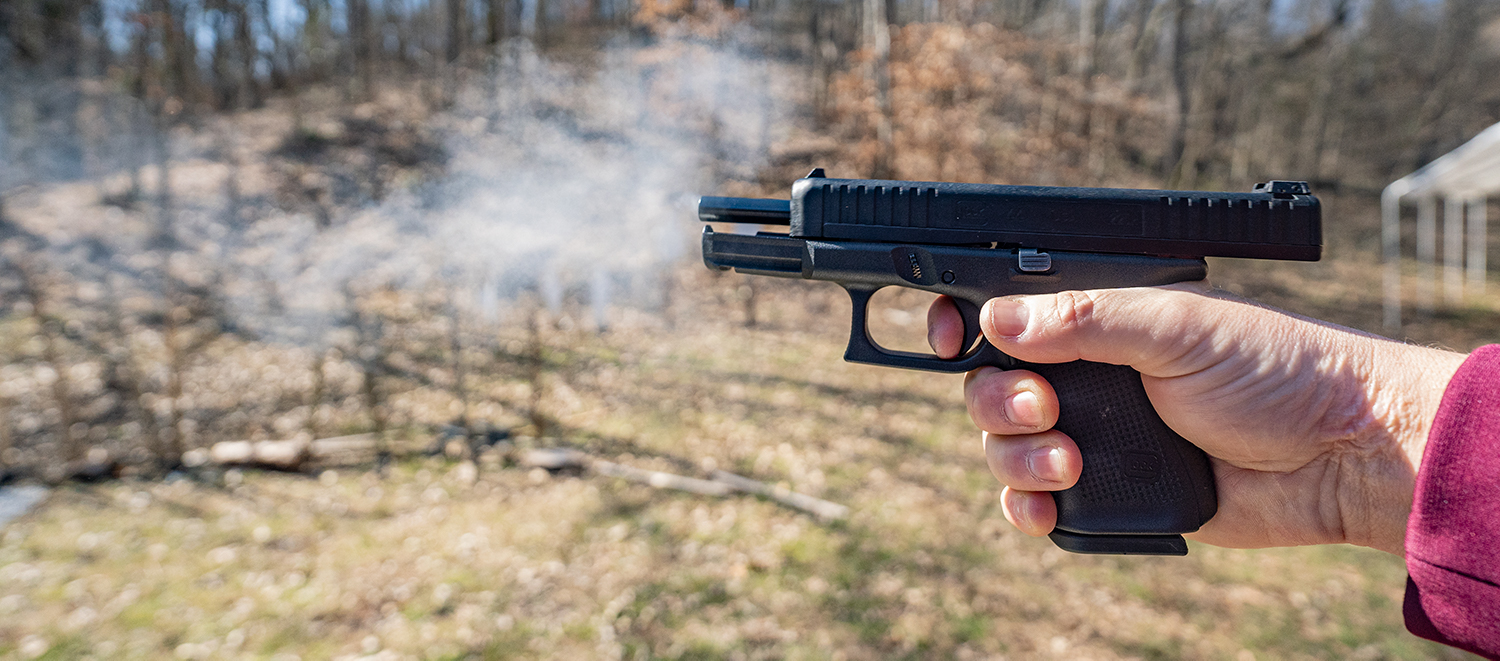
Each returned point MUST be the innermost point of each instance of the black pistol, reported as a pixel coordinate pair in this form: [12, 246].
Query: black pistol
[1142, 485]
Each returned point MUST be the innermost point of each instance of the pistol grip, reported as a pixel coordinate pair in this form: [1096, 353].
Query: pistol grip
[1142, 484]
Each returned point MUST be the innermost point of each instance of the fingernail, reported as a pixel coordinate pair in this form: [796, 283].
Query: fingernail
[1022, 516]
[1023, 409]
[1016, 511]
[1045, 464]
[1007, 317]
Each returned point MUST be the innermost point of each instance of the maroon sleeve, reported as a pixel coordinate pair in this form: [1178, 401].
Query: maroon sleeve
[1453, 536]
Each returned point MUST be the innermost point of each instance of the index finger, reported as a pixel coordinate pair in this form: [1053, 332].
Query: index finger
[945, 328]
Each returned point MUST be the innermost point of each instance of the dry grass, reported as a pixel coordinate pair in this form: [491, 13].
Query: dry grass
[444, 559]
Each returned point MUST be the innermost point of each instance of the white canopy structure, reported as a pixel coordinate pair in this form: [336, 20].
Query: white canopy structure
[1463, 178]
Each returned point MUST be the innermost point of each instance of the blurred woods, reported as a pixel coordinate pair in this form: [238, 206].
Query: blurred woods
[258, 219]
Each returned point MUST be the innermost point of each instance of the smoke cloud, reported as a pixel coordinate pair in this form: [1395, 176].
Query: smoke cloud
[561, 181]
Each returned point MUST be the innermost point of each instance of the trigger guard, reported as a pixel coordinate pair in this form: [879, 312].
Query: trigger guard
[863, 348]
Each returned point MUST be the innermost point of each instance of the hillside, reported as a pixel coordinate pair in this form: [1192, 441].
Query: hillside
[506, 257]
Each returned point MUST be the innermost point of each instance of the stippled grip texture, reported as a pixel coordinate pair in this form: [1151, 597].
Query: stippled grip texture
[1139, 476]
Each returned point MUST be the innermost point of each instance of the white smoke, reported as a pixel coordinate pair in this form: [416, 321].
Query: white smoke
[562, 181]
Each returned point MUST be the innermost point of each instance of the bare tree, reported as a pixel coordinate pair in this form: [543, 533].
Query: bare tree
[458, 26]
[494, 21]
[1091, 16]
[456, 357]
[1145, 33]
[319, 392]
[878, 41]
[249, 55]
[358, 22]
[535, 363]
[370, 353]
[49, 327]
[1181, 15]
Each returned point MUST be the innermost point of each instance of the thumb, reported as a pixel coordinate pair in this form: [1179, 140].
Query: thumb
[1156, 330]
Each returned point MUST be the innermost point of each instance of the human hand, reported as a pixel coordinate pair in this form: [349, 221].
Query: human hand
[1314, 431]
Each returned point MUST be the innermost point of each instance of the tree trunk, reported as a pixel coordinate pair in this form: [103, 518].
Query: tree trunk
[7, 442]
[1310, 143]
[369, 352]
[268, 28]
[103, 54]
[494, 21]
[173, 446]
[535, 364]
[540, 33]
[166, 229]
[456, 29]
[821, 69]
[1090, 29]
[319, 392]
[223, 83]
[50, 330]
[180, 50]
[314, 44]
[456, 354]
[120, 375]
[5, 161]
[27, 33]
[364, 55]
[878, 36]
[1455, 40]
[1182, 14]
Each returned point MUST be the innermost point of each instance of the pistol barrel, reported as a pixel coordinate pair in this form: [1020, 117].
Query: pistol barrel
[744, 210]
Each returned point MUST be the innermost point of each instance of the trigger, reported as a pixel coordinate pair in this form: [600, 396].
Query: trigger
[970, 314]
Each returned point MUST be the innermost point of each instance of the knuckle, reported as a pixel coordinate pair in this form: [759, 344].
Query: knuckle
[1073, 309]
[1017, 470]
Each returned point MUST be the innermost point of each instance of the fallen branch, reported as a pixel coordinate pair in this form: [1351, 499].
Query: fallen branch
[358, 448]
[721, 483]
[343, 450]
[662, 480]
[553, 459]
[283, 455]
[817, 506]
[288, 454]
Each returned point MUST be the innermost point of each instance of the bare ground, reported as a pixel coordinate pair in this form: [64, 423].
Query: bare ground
[447, 559]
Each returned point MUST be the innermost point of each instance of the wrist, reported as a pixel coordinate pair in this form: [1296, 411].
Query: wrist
[1378, 468]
